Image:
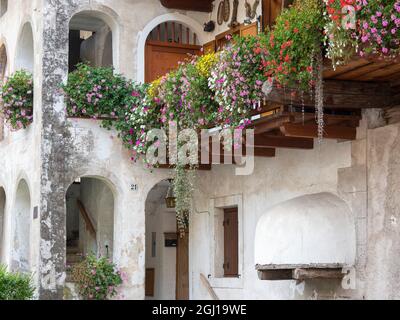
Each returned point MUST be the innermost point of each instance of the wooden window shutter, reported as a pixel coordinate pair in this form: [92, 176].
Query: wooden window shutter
[231, 243]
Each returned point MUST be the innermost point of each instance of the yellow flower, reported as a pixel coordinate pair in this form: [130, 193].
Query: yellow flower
[205, 63]
[152, 91]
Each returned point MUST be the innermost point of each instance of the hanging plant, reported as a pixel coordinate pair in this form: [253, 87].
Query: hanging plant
[16, 97]
[340, 30]
[237, 80]
[136, 119]
[183, 189]
[379, 28]
[96, 92]
[184, 93]
[297, 35]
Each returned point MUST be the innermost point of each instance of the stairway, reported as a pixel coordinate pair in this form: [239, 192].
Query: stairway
[74, 256]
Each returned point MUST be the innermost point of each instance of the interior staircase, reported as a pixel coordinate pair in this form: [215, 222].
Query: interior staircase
[74, 256]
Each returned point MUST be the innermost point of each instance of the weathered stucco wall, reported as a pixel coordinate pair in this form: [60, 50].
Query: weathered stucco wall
[291, 173]
[19, 151]
[54, 151]
[383, 272]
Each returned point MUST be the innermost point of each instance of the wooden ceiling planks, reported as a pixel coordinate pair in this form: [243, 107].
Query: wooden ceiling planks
[365, 70]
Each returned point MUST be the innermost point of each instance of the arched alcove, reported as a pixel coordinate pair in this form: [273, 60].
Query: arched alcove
[25, 49]
[2, 216]
[3, 7]
[90, 219]
[311, 231]
[155, 30]
[167, 254]
[21, 222]
[92, 39]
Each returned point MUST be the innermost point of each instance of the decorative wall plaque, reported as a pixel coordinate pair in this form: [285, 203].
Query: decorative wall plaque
[227, 10]
[234, 23]
[220, 13]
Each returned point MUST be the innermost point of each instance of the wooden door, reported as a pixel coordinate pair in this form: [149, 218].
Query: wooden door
[150, 281]
[271, 10]
[182, 267]
[162, 57]
[231, 243]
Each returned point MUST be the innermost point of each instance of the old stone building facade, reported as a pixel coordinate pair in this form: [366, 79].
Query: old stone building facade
[345, 210]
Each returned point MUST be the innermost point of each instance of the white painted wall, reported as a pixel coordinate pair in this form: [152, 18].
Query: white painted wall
[290, 174]
[2, 211]
[159, 219]
[316, 229]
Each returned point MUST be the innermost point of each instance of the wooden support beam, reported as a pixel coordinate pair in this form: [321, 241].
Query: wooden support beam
[265, 140]
[311, 131]
[201, 167]
[281, 274]
[193, 5]
[271, 123]
[341, 94]
[305, 274]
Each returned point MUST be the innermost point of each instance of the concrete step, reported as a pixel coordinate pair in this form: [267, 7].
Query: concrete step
[72, 249]
[74, 258]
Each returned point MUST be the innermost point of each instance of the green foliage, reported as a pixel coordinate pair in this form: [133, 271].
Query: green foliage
[97, 279]
[96, 92]
[16, 96]
[293, 44]
[237, 79]
[15, 286]
[185, 96]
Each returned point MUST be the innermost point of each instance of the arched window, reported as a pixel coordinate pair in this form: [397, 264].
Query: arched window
[90, 40]
[25, 52]
[167, 44]
[21, 222]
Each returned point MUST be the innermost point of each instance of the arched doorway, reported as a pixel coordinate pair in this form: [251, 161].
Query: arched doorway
[21, 222]
[90, 40]
[2, 216]
[25, 49]
[167, 44]
[167, 253]
[90, 219]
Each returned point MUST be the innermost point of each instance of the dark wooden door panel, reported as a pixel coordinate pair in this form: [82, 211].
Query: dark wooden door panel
[182, 267]
[231, 243]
